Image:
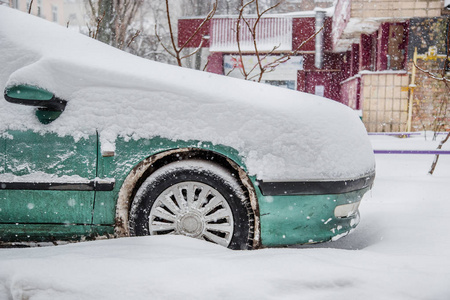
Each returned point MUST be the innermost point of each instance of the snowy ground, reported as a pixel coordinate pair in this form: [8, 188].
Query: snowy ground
[401, 250]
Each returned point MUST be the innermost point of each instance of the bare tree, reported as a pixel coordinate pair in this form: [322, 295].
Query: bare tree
[231, 7]
[151, 14]
[113, 20]
[251, 24]
[173, 49]
[251, 27]
[198, 7]
[436, 158]
[446, 81]
[30, 6]
[244, 23]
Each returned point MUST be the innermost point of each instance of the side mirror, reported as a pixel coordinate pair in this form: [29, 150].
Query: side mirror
[49, 106]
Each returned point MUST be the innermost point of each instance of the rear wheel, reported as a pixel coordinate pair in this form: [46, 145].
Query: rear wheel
[196, 199]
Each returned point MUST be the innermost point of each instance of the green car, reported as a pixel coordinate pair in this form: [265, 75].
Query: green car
[97, 143]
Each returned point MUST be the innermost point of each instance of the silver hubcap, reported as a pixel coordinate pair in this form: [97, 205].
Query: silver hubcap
[193, 209]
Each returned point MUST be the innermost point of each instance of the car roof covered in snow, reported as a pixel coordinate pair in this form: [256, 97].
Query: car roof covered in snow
[281, 134]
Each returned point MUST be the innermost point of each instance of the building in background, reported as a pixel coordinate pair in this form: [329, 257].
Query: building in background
[380, 39]
[286, 33]
[64, 12]
[363, 57]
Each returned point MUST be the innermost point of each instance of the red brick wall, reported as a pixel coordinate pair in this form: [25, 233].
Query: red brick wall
[431, 108]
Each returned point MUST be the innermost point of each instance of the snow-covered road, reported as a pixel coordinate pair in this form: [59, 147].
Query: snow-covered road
[401, 250]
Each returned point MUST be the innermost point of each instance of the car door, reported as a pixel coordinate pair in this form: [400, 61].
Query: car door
[48, 181]
[50, 178]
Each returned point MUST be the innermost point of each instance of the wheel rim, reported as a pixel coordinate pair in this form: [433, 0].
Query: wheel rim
[193, 209]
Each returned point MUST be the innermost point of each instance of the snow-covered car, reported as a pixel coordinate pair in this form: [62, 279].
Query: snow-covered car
[95, 142]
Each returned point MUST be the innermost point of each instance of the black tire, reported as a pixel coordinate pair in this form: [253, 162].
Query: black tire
[211, 205]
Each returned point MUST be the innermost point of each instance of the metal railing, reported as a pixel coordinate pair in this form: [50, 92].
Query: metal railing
[407, 135]
[433, 152]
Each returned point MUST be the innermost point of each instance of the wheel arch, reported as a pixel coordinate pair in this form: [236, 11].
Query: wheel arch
[152, 163]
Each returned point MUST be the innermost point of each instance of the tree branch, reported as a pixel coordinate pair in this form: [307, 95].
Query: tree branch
[29, 8]
[208, 17]
[176, 51]
[443, 106]
[172, 36]
[252, 29]
[436, 158]
[195, 50]
[432, 75]
[133, 37]
[162, 44]
[238, 37]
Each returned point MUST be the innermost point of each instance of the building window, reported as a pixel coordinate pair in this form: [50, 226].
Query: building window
[54, 13]
[319, 90]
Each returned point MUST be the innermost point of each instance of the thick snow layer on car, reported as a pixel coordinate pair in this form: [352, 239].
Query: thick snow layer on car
[399, 251]
[281, 134]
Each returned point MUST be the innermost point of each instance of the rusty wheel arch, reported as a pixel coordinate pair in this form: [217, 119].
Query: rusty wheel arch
[147, 166]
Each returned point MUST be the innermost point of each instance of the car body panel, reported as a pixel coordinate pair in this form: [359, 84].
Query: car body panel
[30, 152]
[40, 207]
[62, 156]
[32, 157]
[129, 152]
[18, 234]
